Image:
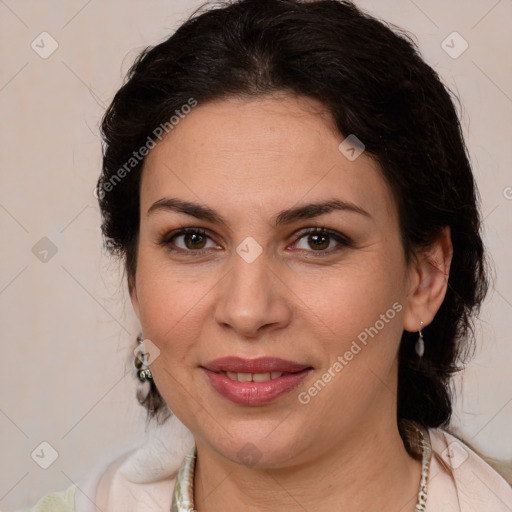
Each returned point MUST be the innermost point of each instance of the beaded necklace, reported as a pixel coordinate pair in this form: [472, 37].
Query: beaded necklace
[183, 496]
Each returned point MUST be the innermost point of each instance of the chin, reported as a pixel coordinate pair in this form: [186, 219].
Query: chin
[258, 449]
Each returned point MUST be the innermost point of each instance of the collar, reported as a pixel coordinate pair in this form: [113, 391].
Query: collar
[183, 497]
[143, 480]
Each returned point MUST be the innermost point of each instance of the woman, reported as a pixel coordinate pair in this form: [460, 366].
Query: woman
[289, 189]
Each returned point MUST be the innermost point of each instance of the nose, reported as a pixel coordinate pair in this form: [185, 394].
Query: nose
[252, 299]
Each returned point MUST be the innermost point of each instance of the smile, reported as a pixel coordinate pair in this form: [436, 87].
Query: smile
[254, 382]
[253, 377]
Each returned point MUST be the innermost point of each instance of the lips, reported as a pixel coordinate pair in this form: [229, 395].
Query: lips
[258, 365]
[252, 377]
[254, 381]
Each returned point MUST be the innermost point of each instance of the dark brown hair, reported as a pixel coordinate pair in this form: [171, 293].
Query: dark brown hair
[375, 84]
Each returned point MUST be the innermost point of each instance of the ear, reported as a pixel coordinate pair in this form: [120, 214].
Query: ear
[428, 281]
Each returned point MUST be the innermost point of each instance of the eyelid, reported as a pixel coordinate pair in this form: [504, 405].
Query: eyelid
[340, 238]
[343, 240]
[166, 239]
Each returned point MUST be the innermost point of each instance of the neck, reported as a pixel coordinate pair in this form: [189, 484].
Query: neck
[369, 469]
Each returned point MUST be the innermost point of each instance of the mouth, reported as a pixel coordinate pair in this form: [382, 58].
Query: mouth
[254, 381]
[252, 377]
[258, 366]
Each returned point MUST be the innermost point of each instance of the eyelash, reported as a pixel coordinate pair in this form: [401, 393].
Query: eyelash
[342, 240]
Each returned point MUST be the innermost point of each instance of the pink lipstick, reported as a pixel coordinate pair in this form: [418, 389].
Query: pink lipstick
[254, 381]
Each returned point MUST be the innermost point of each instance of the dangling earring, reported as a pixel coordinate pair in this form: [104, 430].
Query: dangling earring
[420, 344]
[140, 361]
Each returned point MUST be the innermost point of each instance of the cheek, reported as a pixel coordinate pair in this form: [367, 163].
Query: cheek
[358, 319]
[351, 300]
[357, 316]
[171, 309]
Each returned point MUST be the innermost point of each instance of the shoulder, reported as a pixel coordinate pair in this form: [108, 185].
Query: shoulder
[140, 480]
[143, 479]
[116, 487]
[476, 485]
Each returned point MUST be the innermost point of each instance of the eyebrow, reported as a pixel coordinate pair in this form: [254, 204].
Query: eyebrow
[306, 211]
[194, 209]
[311, 210]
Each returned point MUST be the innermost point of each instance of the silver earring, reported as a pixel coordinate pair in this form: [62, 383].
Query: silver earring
[420, 344]
[140, 361]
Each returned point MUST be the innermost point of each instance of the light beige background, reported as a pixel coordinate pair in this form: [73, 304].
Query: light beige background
[67, 329]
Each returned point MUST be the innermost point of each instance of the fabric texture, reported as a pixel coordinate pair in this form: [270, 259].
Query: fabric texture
[144, 479]
[57, 501]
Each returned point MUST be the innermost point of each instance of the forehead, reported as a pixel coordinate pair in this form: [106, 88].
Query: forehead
[261, 154]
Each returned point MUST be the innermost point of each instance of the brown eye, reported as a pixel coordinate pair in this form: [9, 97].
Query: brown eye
[322, 240]
[189, 240]
[318, 242]
[194, 241]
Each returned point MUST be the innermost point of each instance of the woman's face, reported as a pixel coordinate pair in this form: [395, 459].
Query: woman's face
[292, 264]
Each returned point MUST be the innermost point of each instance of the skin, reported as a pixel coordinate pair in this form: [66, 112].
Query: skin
[248, 160]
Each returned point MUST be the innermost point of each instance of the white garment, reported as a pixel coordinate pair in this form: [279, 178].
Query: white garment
[143, 479]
